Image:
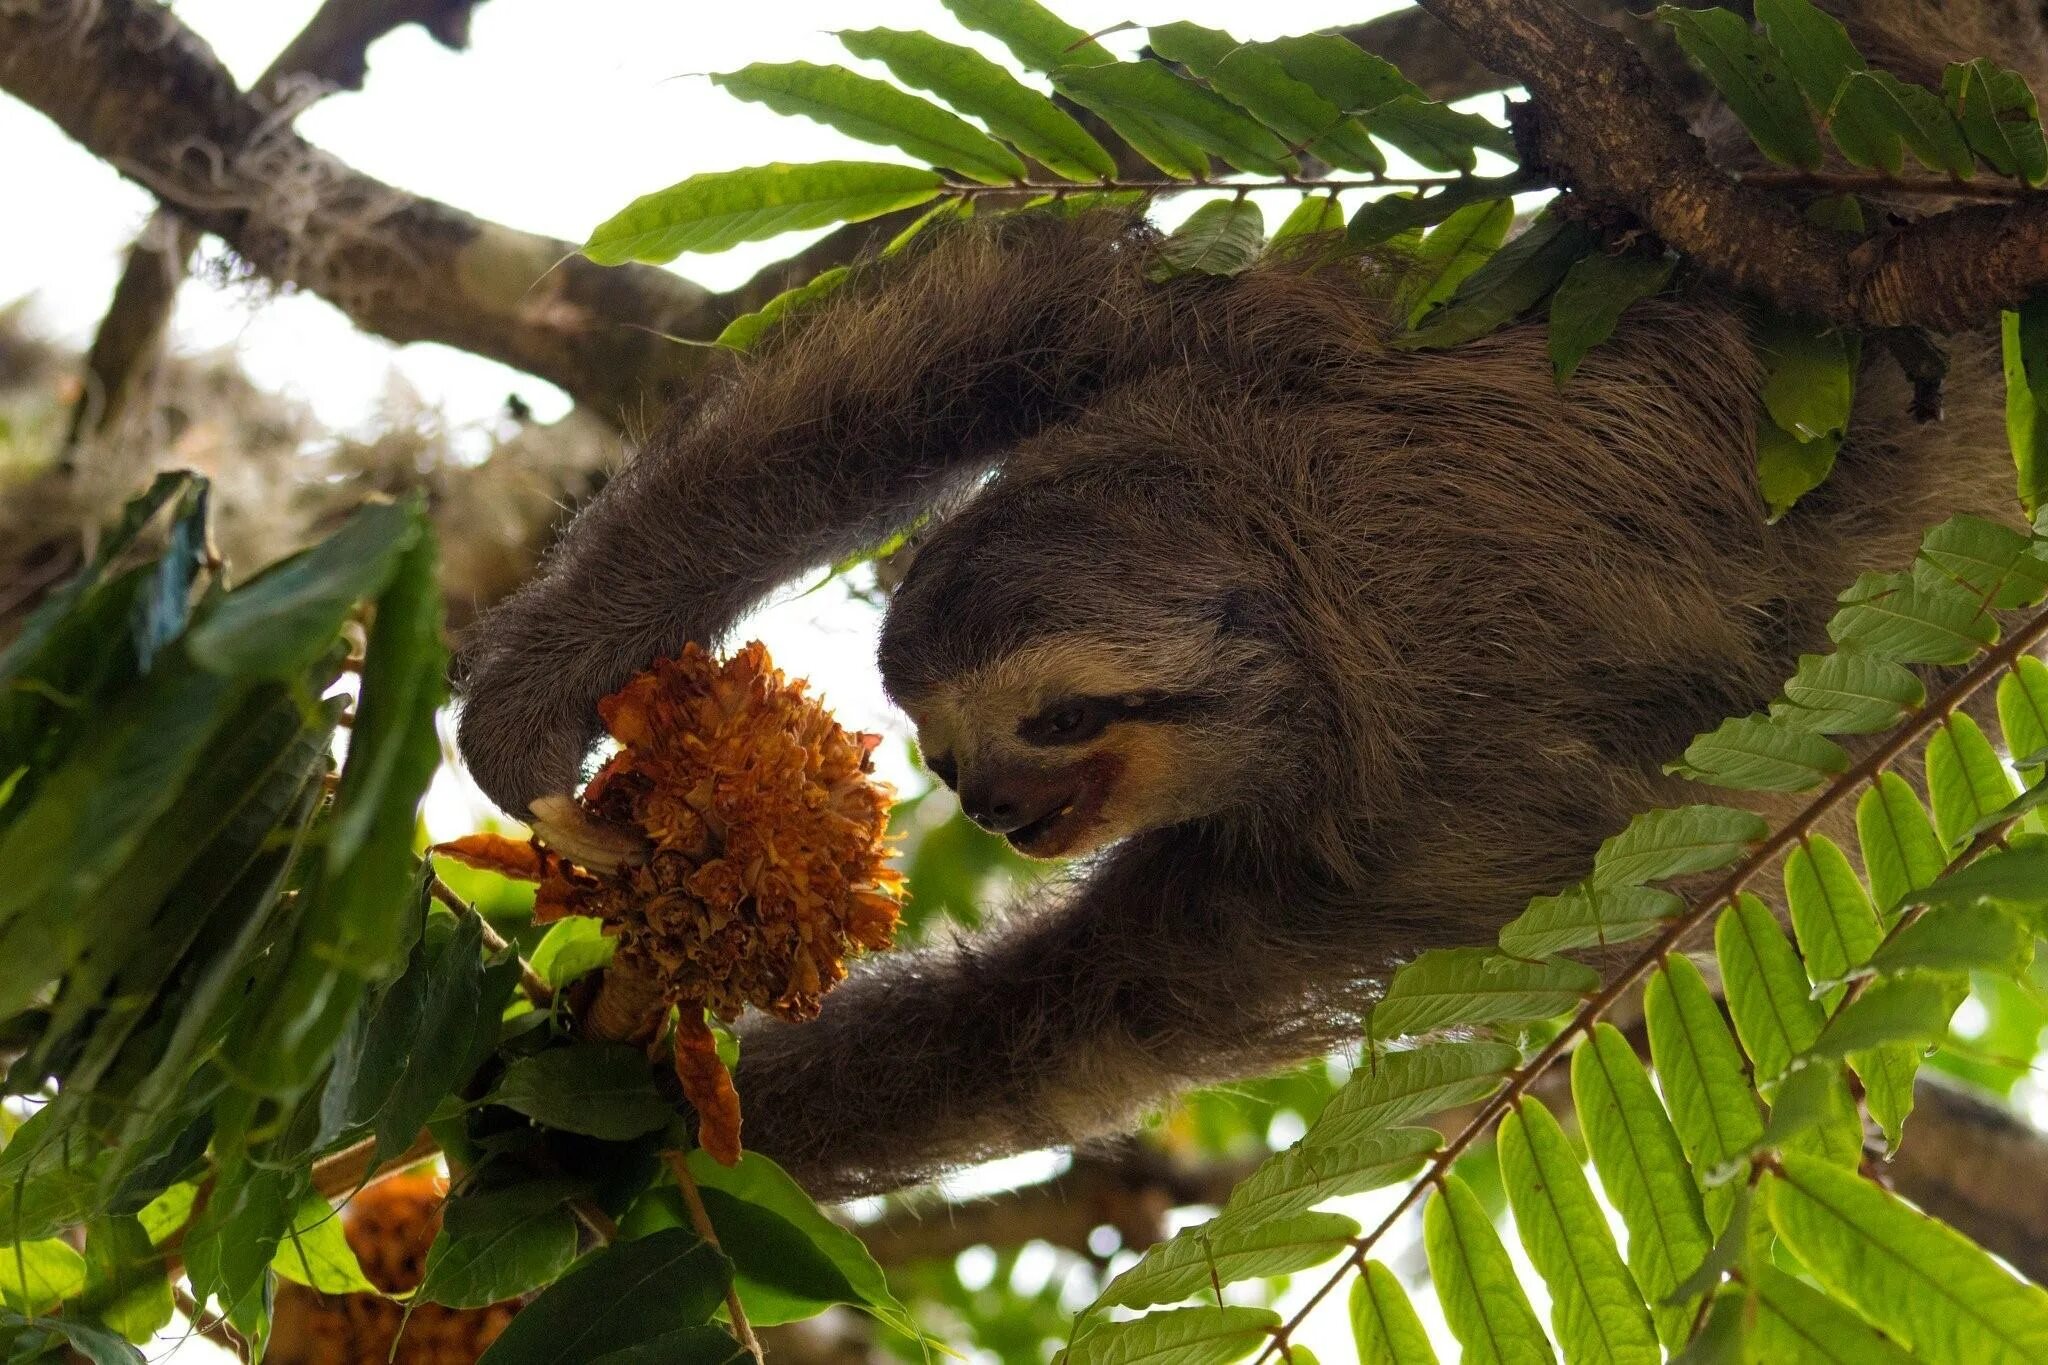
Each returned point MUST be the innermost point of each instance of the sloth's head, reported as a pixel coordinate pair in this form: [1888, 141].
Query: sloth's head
[1079, 672]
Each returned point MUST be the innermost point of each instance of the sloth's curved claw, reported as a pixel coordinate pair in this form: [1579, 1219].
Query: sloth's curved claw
[566, 826]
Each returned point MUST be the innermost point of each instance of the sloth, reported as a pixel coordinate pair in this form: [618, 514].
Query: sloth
[1306, 652]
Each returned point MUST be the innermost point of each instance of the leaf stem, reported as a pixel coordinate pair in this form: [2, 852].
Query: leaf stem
[536, 990]
[701, 1220]
[1851, 182]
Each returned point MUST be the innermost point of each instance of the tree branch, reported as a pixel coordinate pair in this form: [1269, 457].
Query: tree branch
[137, 88]
[1607, 127]
[1978, 1166]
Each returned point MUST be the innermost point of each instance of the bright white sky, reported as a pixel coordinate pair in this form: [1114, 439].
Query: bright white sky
[557, 116]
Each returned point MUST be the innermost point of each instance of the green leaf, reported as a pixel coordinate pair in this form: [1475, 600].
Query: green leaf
[2023, 710]
[624, 1295]
[1458, 246]
[1960, 938]
[1315, 215]
[875, 111]
[1644, 1173]
[1255, 80]
[1182, 1336]
[1809, 374]
[1799, 1325]
[1775, 1014]
[765, 1188]
[1912, 619]
[500, 1244]
[127, 1286]
[573, 946]
[1476, 1283]
[316, 1254]
[1757, 753]
[1660, 844]
[1713, 1106]
[1848, 694]
[1923, 124]
[982, 89]
[720, 209]
[1382, 219]
[2025, 352]
[1590, 300]
[1202, 1257]
[2016, 876]
[1392, 1087]
[744, 332]
[602, 1090]
[1437, 136]
[1894, 1009]
[684, 1346]
[1588, 915]
[1040, 39]
[1308, 1173]
[1999, 117]
[1595, 1308]
[1752, 78]
[36, 1276]
[1900, 852]
[1383, 1321]
[1222, 237]
[1920, 1281]
[1965, 778]
[1996, 562]
[1815, 47]
[90, 1340]
[1469, 986]
[1511, 282]
[1831, 913]
[1183, 109]
[1887, 1074]
[1787, 468]
[1339, 70]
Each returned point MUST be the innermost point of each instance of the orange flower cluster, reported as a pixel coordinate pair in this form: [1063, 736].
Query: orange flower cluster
[767, 865]
[389, 1226]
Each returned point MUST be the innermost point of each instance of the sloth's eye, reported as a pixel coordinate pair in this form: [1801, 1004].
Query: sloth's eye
[1066, 720]
[1070, 721]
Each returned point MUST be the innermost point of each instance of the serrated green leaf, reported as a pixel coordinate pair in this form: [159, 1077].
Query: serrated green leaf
[1383, 1322]
[1222, 237]
[1643, 1171]
[1661, 844]
[314, 1252]
[603, 1090]
[1182, 1336]
[1595, 1308]
[1999, 116]
[1775, 1014]
[1512, 281]
[2025, 350]
[1922, 123]
[1458, 246]
[499, 1244]
[1482, 1297]
[1202, 1257]
[720, 209]
[1391, 1087]
[982, 89]
[1752, 78]
[1913, 619]
[1256, 82]
[1185, 110]
[874, 111]
[1305, 1175]
[1787, 468]
[1832, 916]
[1848, 694]
[1713, 1106]
[1996, 562]
[1921, 1281]
[1756, 753]
[2023, 710]
[1914, 1008]
[1587, 915]
[1471, 986]
[1591, 298]
[621, 1296]
[1900, 851]
[1339, 70]
[1799, 1325]
[1037, 37]
[744, 332]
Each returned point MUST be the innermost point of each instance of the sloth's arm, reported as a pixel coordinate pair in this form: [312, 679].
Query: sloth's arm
[1056, 1024]
[914, 379]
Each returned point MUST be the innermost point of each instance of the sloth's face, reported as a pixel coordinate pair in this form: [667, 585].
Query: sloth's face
[1063, 748]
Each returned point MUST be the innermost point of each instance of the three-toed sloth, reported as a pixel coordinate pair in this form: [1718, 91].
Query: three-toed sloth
[1316, 652]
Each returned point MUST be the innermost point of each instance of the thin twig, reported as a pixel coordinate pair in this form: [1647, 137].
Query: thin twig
[1852, 182]
[536, 990]
[353, 1168]
[701, 1220]
[209, 1325]
[1671, 940]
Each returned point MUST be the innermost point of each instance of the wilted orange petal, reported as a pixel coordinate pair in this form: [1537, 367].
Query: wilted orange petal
[516, 858]
[708, 1086]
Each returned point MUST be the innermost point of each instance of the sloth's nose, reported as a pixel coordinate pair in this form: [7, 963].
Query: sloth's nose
[1003, 806]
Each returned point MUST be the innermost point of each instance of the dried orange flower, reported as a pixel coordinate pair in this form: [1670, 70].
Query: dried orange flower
[767, 865]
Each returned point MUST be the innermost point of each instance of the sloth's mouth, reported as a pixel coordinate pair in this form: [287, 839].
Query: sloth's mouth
[1044, 837]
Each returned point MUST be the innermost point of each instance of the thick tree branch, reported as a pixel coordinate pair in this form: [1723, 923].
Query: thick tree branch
[1975, 1164]
[1609, 128]
[1427, 53]
[132, 84]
